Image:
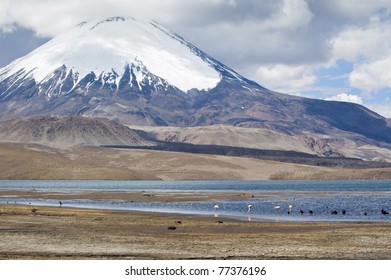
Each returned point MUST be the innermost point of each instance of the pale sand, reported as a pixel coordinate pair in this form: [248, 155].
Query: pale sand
[67, 233]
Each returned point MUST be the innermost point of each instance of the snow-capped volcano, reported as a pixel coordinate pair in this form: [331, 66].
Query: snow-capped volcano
[114, 51]
[139, 73]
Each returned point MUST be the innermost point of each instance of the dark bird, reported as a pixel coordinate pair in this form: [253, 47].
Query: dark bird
[335, 212]
[311, 212]
[384, 212]
[301, 212]
[60, 203]
[343, 212]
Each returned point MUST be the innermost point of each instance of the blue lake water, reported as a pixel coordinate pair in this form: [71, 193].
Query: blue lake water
[204, 185]
[362, 200]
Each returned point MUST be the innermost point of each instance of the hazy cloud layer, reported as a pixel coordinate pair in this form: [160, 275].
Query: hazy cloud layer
[281, 44]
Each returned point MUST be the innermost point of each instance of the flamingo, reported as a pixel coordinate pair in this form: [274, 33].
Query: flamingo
[290, 209]
[215, 208]
[249, 207]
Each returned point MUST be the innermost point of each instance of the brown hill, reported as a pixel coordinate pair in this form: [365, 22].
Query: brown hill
[69, 131]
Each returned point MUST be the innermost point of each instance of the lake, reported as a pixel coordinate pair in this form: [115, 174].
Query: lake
[309, 200]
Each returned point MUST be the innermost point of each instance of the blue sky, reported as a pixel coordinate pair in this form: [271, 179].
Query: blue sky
[334, 50]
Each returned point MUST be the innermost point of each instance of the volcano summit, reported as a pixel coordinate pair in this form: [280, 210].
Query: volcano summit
[99, 66]
[140, 73]
[117, 52]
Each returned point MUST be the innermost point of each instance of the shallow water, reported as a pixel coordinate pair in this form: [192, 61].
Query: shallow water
[362, 200]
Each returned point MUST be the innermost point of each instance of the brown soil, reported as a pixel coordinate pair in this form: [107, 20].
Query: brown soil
[65, 233]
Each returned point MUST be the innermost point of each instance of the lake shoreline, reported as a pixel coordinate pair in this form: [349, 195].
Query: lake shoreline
[315, 206]
[43, 232]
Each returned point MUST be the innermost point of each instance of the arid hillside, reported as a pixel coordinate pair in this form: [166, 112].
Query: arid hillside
[33, 161]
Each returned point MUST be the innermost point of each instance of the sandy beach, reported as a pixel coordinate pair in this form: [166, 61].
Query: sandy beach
[32, 232]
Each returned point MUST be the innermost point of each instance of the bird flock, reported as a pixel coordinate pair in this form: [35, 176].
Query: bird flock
[277, 209]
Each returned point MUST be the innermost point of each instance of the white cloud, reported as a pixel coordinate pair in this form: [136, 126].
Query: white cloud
[358, 42]
[291, 15]
[50, 18]
[346, 98]
[358, 10]
[369, 49]
[363, 41]
[285, 78]
[5, 24]
[372, 76]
